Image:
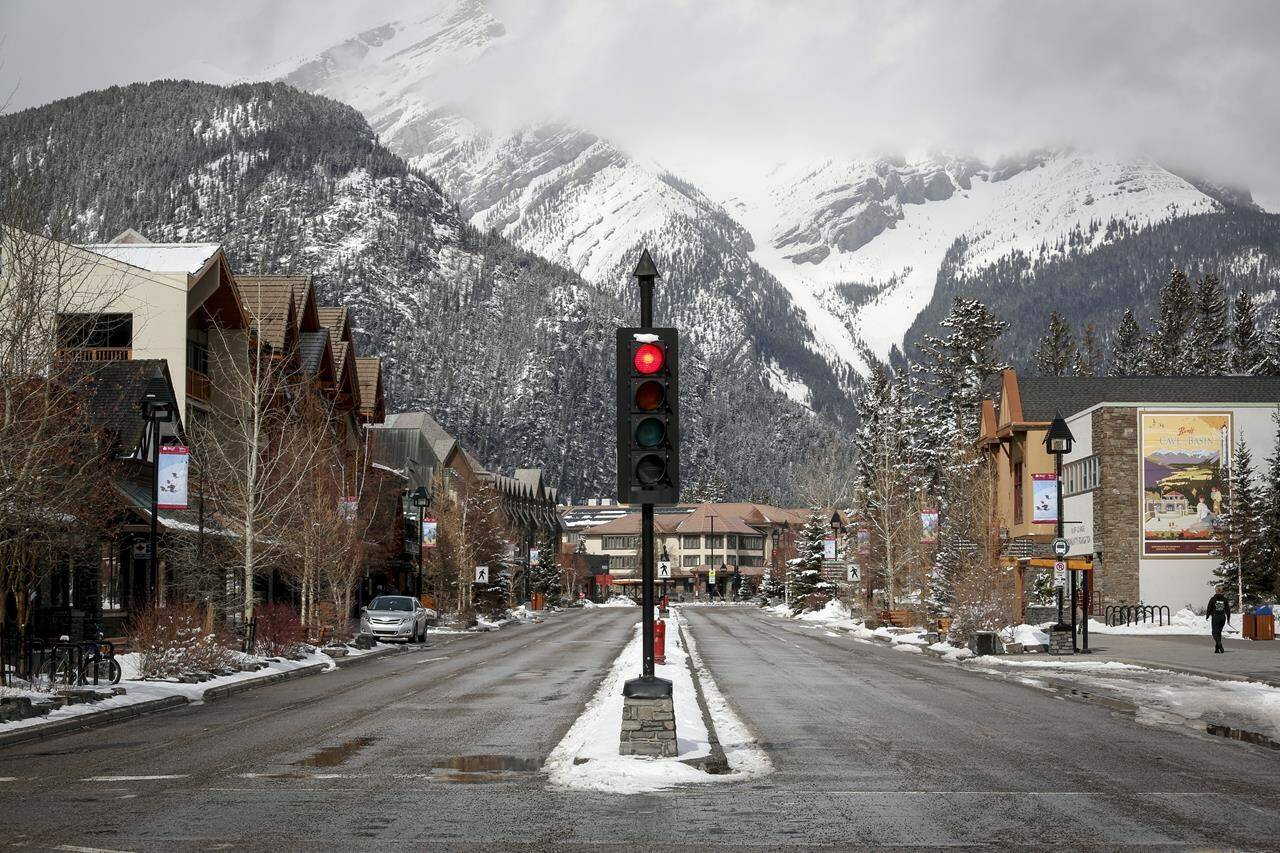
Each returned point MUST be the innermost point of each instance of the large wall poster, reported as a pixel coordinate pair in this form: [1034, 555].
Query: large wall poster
[1185, 457]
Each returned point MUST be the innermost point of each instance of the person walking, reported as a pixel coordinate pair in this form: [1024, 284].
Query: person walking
[1218, 612]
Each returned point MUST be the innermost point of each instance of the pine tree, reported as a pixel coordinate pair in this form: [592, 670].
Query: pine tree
[1267, 581]
[1243, 565]
[1128, 353]
[804, 573]
[772, 587]
[1168, 351]
[546, 577]
[1206, 344]
[1089, 358]
[1269, 357]
[1053, 356]
[1247, 355]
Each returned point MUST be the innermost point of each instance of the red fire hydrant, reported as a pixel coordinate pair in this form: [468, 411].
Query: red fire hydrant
[660, 641]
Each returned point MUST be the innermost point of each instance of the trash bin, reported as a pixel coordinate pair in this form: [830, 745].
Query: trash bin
[1260, 623]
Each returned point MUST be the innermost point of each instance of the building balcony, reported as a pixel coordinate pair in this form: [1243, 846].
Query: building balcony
[96, 353]
[199, 386]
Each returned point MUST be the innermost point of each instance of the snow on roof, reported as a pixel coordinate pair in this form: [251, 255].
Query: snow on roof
[186, 258]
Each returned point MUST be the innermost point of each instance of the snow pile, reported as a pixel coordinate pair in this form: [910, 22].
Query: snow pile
[619, 601]
[587, 757]
[1184, 622]
[1027, 635]
[950, 652]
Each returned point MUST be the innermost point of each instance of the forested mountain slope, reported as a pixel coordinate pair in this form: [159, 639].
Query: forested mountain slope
[511, 352]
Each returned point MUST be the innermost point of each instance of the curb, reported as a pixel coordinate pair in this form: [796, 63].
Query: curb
[90, 721]
[386, 651]
[1187, 670]
[235, 687]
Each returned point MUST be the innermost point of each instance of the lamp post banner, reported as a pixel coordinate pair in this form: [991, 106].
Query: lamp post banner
[430, 532]
[1044, 499]
[829, 548]
[173, 470]
[928, 526]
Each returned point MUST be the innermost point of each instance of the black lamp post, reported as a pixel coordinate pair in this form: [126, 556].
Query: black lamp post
[157, 407]
[581, 554]
[421, 499]
[1058, 441]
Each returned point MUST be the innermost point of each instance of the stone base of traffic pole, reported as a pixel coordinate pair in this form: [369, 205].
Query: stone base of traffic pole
[648, 727]
[1060, 640]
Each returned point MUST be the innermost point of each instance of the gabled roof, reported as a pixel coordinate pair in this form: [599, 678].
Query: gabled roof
[629, 524]
[369, 376]
[713, 518]
[306, 314]
[335, 318]
[188, 259]
[442, 444]
[269, 301]
[1037, 399]
[316, 356]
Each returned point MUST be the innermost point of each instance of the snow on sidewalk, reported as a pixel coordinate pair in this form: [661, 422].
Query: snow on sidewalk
[146, 691]
[1161, 697]
[587, 757]
[1185, 622]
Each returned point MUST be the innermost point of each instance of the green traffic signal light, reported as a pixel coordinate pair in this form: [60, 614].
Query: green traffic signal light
[650, 432]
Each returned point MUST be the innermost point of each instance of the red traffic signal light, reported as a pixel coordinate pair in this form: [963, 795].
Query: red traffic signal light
[649, 359]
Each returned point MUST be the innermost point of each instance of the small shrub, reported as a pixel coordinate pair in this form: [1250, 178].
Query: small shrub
[279, 631]
[173, 640]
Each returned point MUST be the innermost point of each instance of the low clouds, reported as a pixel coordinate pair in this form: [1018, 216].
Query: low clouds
[705, 86]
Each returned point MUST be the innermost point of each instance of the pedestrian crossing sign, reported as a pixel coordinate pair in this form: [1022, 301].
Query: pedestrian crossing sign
[664, 569]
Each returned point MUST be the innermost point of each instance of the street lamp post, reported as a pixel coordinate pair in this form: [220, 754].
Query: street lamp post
[580, 561]
[157, 407]
[1058, 440]
[421, 499]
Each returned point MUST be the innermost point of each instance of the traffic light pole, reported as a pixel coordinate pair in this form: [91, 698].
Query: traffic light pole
[647, 686]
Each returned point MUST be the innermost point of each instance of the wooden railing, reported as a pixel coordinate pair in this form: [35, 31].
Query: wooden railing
[96, 353]
[199, 386]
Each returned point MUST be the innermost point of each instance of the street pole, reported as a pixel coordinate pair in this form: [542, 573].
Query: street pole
[1061, 525]
[712, 540]
[153, 564]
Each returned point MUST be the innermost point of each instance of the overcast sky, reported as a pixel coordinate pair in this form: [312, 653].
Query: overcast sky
[703, 86]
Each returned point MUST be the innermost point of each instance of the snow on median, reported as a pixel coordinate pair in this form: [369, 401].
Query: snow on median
[587, 758]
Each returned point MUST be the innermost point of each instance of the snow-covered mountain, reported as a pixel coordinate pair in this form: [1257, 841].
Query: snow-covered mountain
[860, 243]
[812, 268]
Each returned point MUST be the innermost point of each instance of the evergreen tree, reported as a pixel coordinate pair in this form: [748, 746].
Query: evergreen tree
[804, 573]
[1089, 358]
[546, 574]
[1206, 346]
[1053, 356]
[1243, 565]
[1269, 357]
[772, 587]
[1247, 356]
[1168, 350]
[1128, 353]
[1267, 581]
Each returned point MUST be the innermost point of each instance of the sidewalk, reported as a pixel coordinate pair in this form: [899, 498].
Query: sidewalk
[1245, 660]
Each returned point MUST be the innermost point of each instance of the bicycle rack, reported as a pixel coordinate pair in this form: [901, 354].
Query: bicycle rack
[1136, 614]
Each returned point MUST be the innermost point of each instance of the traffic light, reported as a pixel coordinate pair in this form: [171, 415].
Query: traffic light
[648, 416]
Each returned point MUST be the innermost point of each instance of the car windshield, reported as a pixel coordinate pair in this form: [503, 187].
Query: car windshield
[391, 602]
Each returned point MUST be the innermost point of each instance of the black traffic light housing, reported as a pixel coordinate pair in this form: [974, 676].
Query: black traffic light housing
[648, 416]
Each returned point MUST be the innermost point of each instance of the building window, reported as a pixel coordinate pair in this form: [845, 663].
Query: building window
[109, 580]
[716, 541]
[621, 543]
[623, 561]
[731, 541]
[691, 560]
[95, 331]
[198, 350]
[691, 542]
[751, 561]
[751, 543]
[1017, 493]
[1083, 475]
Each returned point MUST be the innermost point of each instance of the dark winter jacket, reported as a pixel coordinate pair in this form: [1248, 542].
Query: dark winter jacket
[1218, 607]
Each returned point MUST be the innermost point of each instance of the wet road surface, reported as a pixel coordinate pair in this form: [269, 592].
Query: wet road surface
[872, 747]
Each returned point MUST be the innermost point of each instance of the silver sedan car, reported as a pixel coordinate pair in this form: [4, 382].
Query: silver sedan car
[396, 617]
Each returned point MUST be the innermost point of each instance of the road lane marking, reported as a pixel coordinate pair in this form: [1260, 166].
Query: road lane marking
[73, 849]
[429, 660]
[134, 778]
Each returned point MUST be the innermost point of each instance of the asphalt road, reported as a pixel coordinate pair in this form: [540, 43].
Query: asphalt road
[873, 747]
